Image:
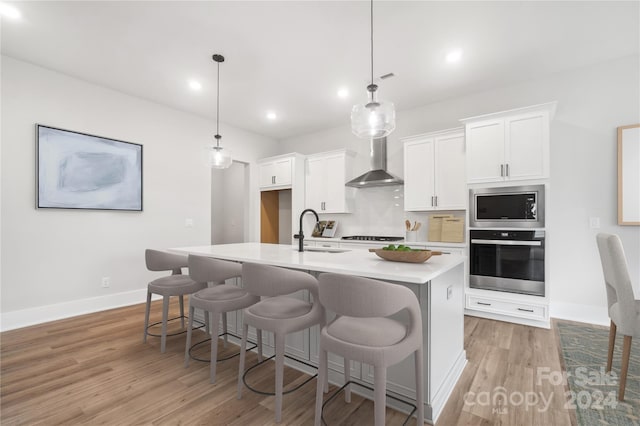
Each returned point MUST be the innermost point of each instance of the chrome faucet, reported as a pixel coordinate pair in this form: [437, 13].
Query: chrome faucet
[301, 234]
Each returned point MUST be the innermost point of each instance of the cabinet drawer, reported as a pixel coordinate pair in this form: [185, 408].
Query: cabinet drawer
[328, 244]
[516, 309]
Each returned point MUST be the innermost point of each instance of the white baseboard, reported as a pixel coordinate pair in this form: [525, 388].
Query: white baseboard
[580, 313]
[32, 316]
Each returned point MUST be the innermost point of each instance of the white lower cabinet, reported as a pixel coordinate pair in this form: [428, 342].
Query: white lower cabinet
[508, 307]
[297, 344]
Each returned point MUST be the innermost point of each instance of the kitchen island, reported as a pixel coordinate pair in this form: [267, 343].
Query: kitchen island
[438, 284]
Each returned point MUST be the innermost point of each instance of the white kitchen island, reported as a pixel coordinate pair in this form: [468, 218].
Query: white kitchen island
[438, 284]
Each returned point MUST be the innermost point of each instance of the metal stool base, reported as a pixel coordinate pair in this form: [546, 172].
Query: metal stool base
[219, 359]
[177, 333]
[350, 382]
[244, 377]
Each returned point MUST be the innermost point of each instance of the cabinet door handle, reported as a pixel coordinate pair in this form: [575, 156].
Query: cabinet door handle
[525, 310]
[432, 201]
[507, 169]
[484, 304]
[322, 206]
[273, 179]
[501, 170]
[436, 197]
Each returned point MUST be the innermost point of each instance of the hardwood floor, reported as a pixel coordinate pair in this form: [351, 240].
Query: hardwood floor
[94, 369]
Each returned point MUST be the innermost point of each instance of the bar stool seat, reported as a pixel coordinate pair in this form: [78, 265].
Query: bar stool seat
[367, 331]
[280, 308]
[174, 285]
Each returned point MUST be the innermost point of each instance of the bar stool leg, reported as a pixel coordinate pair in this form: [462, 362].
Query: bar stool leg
[243, 349]
[188, 344]
[224, 329]
[165, 316]
[182, 311]
[146, 316]
[419, 385]
[279, 375]
[259, 333]
[322, 374]
[215, 323]
[207, 324]
[347, 377]
[379, 394]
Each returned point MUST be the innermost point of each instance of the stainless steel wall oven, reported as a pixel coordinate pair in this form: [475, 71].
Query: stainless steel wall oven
[507, 260]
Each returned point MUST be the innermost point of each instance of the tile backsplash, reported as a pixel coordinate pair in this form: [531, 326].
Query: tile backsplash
[380, 211]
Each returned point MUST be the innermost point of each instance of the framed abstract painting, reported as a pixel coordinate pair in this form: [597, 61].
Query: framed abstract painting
[81, 171]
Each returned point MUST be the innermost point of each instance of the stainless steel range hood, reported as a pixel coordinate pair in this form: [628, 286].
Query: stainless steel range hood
[378, 176]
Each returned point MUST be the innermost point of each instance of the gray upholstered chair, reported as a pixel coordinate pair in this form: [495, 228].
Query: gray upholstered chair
[361, 331]
[216, 301]
[624, 309]
[277, 313]
[175, 284]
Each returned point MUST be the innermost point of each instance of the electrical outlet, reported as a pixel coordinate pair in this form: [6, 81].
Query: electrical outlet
[449, 292]
[594, 222]
[106, 282]
[188, 222]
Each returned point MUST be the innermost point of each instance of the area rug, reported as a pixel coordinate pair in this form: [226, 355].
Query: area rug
[592, 392]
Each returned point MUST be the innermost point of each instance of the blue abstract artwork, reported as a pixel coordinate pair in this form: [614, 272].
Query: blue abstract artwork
[80, 171]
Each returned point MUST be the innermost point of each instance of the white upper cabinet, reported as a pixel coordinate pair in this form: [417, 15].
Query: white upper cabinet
[434, 171]
[509, 145]
[326, 174]
[276, 172]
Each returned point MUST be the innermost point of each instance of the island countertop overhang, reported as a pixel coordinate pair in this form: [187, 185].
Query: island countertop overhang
[351, 262]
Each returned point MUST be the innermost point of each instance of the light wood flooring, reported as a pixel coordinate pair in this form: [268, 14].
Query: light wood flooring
[94, 369]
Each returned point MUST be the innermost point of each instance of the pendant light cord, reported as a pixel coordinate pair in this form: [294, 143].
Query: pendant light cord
[218, 110]
[372, 42]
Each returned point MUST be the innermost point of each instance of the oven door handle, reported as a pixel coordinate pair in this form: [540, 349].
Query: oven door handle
[507, 242]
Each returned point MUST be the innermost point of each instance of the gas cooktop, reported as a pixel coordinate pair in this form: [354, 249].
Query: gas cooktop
[371, 238]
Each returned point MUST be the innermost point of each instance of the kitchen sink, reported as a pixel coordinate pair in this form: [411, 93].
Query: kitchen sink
[324, 250]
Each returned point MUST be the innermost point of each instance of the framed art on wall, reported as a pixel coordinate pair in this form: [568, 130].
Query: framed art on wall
[629, 175]
[81, 171]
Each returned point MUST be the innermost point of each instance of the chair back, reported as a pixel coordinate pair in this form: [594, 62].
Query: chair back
[347, 295]
[617, 280]
[205, 269]
[271, 281]
[162, 261]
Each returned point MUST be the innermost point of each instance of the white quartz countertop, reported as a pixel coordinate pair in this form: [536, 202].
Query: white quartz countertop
[365, 242]
[350, 262]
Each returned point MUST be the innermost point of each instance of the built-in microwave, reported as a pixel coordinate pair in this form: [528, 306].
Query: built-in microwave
[510, 207]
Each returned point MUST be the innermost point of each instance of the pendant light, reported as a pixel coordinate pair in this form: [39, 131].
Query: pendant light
[375, 119]
[219, 158]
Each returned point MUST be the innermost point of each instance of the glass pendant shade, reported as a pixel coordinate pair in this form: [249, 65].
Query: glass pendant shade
[219, 158]
[375, 119]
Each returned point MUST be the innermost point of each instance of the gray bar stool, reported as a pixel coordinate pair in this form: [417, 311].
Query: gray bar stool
[277, 313]
[362, 332]
[216, 301]
[175, 284]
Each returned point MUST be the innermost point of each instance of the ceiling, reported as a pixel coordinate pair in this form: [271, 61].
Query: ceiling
[291, 57]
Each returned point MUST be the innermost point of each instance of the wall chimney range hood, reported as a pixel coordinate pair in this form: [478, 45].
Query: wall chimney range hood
[378, 175]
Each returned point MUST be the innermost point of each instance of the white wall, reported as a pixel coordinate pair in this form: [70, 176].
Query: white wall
[592, 103]
[53, 260]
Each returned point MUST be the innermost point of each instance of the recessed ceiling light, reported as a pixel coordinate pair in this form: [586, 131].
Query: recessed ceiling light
[343, 92]
[271, 115]
[195, 85]
[454, 56]
[9, 11]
